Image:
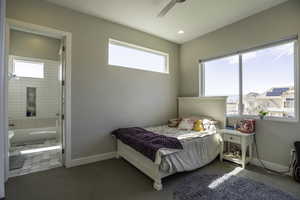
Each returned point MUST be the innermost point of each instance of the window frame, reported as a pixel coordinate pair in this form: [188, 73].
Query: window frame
[241, 105]
[27, 60]
[140, 48]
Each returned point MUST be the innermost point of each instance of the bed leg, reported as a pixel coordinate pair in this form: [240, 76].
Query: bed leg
[157, 185]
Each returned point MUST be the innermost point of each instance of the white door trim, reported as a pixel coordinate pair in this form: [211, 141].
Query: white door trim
[2, 95]
[54, 33]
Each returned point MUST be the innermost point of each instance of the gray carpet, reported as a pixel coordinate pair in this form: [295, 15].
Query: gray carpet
[16, 162]
[118, 180]
[226, 187]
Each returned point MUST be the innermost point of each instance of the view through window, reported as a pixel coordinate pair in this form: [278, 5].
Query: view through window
[222, 79]
[28, 69]
[267, 81]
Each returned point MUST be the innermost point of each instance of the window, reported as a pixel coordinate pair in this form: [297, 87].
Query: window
[268, 78]
[131, 56]
[222, 79]
[29, 69]
[260, 79]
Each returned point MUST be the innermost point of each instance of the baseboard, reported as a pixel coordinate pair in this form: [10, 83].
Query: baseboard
[91, 159]
[270, 165]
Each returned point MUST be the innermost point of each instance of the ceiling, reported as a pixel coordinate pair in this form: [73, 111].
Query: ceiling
[194, 17]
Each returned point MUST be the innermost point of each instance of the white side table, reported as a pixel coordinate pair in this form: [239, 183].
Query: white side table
[237, 137]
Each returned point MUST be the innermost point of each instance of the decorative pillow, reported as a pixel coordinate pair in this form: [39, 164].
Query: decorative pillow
[186, 124]
[174, 122]
[198, 126]
[209, 125]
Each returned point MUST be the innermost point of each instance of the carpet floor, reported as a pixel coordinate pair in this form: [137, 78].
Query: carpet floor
[118, 180]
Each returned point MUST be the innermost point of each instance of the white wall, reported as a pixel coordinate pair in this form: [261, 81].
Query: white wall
[47, 90]
[2, 81]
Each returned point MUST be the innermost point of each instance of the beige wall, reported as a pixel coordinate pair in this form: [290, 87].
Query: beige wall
[275, 139]
[105, 97]
[33, 46]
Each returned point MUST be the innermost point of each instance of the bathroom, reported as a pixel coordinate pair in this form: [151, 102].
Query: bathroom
[35, 104]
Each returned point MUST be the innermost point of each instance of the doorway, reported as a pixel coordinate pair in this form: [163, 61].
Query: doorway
[38, 98]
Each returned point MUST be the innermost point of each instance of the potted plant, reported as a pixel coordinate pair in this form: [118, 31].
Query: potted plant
[262, 114]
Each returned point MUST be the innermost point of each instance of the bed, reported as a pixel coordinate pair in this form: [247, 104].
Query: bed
[199, 149]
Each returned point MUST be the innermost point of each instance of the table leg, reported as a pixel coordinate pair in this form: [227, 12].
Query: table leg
[244, 151]
[250, 150]
[221, 151]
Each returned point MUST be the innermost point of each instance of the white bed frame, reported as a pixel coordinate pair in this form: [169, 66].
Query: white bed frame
[214, 107]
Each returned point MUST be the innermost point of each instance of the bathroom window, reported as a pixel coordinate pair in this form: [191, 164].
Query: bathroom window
[122, 54]
[28, 68]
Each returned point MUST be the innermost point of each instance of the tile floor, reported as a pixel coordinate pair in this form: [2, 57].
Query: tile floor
[37, 161]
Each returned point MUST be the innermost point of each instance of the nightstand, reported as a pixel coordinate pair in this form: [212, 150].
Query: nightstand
[237, 137]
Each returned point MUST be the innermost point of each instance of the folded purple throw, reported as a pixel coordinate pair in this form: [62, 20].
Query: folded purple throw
[146, 142]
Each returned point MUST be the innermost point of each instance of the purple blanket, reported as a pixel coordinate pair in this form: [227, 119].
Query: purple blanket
[146, 142]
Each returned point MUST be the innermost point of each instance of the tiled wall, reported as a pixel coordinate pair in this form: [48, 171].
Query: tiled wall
[47, 94]
[33, 123]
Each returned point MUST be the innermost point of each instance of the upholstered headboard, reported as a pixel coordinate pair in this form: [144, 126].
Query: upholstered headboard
[214, 107]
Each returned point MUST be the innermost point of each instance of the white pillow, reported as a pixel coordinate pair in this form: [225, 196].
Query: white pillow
[186, 124]
[209, 125]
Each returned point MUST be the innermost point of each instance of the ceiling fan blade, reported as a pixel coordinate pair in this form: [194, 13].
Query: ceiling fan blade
[167, 8]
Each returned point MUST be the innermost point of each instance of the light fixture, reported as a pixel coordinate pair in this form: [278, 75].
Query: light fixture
[180, 32]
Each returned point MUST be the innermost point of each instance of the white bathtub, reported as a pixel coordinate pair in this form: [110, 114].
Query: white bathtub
[26, 136]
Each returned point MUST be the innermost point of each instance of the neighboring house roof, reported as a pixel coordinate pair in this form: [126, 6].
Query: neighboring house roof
[275, 92]
[252, 94]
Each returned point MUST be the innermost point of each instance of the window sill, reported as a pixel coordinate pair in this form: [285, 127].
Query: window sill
[139, 69]
[276, 119]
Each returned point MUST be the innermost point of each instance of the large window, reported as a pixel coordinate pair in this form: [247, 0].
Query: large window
[254, 81]
[28, 69]
[222, 79]
[132, 56]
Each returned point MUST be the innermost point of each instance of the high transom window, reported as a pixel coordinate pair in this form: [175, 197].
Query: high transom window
[127, 55]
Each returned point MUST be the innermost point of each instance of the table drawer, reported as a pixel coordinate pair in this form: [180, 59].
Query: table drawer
[232, 138]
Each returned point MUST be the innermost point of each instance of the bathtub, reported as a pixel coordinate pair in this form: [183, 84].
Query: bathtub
[33, 135]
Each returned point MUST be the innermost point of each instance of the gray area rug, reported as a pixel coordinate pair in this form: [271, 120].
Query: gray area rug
[225, 187]
[16, 162]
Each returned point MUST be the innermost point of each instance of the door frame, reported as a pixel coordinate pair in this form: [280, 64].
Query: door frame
[12, 24]
[2, 75]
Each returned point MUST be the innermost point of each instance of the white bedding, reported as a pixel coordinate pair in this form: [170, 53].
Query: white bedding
[199, 149]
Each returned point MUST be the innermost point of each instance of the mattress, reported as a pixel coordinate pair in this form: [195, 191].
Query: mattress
[199, 149]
